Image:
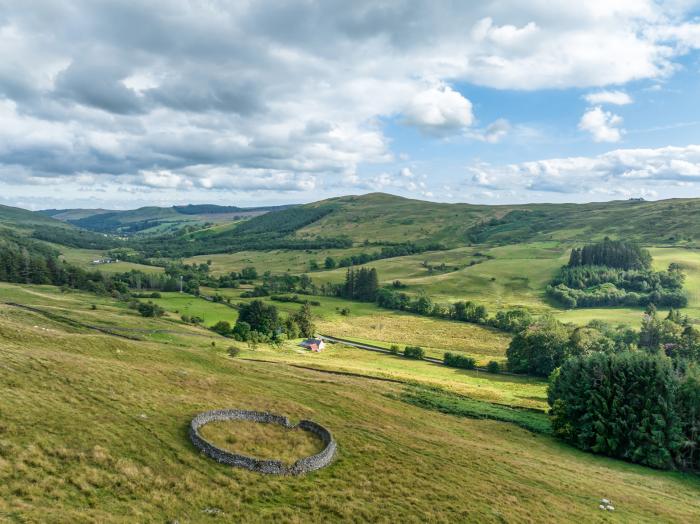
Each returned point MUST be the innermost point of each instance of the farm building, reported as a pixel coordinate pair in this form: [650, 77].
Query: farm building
[314, 344]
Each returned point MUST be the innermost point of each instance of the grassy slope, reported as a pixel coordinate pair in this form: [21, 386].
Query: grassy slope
[382, 217]
[84, 257]
[516, 276]
[23, 220]
[94, 429]
[366, 323]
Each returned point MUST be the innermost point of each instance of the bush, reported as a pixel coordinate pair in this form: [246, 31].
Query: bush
[150, 309]
[233, 352]
[222, 328]
[455, 360]
[241, 331]
[415, 352]
[394, 349]
[540, 348]
[493, 367]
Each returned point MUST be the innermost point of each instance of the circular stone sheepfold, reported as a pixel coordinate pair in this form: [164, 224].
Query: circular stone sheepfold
[270, 467]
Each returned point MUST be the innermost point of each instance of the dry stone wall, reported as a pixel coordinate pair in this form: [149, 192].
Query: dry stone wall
[271, 467]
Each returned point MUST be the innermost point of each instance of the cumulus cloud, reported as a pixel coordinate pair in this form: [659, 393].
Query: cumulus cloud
[439, 110]
[621, 172]
[155, 94]
[602, 125]
[619, 98]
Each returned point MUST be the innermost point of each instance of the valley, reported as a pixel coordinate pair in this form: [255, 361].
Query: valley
[98, 388]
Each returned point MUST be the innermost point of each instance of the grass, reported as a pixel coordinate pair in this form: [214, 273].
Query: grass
[501, 389]
[83, 258]
[178, 304]
[263, 441]
[371, 324]
[94, 428]
[451, 404]
[277, 260]
[516, 275]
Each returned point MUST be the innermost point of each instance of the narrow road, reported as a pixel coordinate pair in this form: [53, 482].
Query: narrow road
[370, 347]
[377, 349]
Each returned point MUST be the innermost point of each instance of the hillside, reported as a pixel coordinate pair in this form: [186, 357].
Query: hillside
[153, 220]
[24, 220]
[94, 428]
[382, 217]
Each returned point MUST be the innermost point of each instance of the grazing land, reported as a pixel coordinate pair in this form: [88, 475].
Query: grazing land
[263, 441]
[101, 373]
[96, 425]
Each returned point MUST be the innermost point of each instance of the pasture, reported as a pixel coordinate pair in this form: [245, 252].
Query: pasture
[94, 428]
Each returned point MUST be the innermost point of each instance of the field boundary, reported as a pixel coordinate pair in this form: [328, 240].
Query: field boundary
[377, 349]
[269, 467]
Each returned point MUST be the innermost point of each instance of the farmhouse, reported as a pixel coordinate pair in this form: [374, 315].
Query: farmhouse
[314, 344]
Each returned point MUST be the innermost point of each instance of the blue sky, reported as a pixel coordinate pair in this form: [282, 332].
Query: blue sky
[123, 103]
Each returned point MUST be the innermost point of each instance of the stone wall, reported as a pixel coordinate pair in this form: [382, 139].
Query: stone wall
[271, 467]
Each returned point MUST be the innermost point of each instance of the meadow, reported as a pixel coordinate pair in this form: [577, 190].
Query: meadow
[263, 441]
[368, 323]
[94, 428]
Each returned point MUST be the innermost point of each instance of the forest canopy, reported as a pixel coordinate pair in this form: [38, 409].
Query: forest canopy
[616, 273]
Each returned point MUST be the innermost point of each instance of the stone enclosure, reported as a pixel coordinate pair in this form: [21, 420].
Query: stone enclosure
[270, 467]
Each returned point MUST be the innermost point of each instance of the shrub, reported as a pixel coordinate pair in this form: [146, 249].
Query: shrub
[150, 309]
[493, 367]
[394, 349]
[222, 328]
[233, 352]
[241, 331]
[540, 348]
[456, 360]
[415, 352]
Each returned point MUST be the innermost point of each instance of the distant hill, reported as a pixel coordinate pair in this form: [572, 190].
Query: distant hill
[154, 220]
[22, 219]
[383, 217]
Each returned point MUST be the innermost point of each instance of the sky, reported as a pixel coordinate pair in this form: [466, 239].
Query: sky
[121, 104]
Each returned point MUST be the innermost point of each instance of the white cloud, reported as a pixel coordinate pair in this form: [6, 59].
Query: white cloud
[439, 110]
[616, 173]
[619, 98]
[602, 125]
[209, 93]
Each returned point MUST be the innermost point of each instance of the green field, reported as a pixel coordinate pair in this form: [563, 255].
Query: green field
[276, 260]
[93, 428]
[517, 275]
[83, 258]
[178, 304]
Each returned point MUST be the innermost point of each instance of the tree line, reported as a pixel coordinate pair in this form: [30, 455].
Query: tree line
[629, 394]
[616, 273]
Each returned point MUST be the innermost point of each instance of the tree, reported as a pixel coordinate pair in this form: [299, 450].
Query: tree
[621, 405]
[329, 263]
[222, 327]
[540, 348]
[304, 319]
[241, 331]
[149, 309]
[249, 273]
[260, 317]
[650, 334]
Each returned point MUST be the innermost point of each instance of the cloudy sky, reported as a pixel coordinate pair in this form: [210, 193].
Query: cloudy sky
[120, 103]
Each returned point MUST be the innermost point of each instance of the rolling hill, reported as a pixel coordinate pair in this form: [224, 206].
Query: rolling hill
[382, 217]
[153, 220]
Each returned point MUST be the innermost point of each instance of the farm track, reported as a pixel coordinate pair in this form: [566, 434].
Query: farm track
[111, 330]
[378, 349]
